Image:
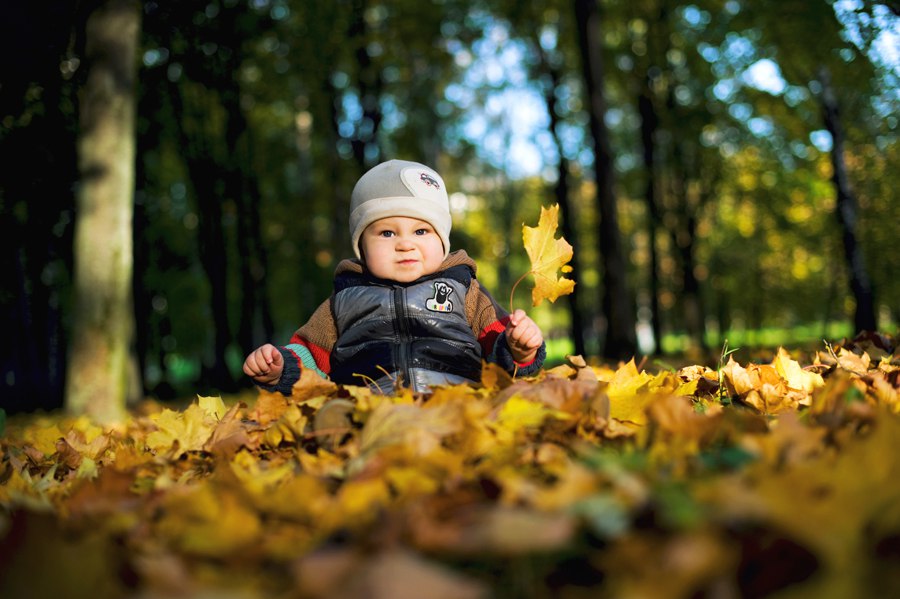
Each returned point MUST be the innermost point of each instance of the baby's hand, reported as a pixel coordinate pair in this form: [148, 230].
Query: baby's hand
[523, 337]
[264, 365]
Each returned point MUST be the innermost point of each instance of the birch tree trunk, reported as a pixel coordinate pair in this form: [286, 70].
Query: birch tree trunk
[98, 369]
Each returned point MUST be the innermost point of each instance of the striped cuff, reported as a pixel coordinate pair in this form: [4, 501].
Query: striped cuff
[503, 357]
[306, 358]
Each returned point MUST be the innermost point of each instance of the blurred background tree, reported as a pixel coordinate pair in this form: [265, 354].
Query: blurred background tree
[100, 369]
[701, 152]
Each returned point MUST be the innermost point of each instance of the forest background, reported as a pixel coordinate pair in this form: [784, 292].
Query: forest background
[724, 169]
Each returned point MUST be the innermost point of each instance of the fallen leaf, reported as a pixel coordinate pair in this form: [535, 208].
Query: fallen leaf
[212, 406]
[229, 435]
[591, 479]
[796, 377]
[208, 520]
[189, 429]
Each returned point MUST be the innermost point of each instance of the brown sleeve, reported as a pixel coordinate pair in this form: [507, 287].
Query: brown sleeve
[321, 329]
[482, 311]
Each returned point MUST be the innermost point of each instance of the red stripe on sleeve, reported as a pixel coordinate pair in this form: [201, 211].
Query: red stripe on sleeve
[488, 335]
[321, 355]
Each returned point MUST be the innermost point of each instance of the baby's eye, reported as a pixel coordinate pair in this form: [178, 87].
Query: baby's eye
[423, 231]
[386, 234]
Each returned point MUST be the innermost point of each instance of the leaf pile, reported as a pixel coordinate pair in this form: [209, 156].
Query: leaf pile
[584, 481]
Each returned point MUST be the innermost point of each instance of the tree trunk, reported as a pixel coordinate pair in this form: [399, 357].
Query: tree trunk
[141, 296]
[865, 318]
[649, 124]
[504, 199]
[694, 314]
[369, 82]
[620, 340]
[561, 190]
[255, 324]
[210, 190]
[684, 238]
[97, 380]
[149, 130]
[340, 191]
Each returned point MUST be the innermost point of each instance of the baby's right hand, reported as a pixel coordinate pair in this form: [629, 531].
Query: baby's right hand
[265, 365]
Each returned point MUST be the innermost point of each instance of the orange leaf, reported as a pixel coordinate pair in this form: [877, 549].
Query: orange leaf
[548, 255]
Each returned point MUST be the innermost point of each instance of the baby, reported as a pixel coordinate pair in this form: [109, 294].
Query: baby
[406, 311]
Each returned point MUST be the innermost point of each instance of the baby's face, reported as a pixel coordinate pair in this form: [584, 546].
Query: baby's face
[401, 248]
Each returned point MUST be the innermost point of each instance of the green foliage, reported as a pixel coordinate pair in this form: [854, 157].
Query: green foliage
[256, 118]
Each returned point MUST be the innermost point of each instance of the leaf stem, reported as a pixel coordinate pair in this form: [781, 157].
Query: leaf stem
[721, 372]
[369, 382]
[513, 290]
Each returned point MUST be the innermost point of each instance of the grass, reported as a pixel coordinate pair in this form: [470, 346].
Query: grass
[797, 336]
[679, 347]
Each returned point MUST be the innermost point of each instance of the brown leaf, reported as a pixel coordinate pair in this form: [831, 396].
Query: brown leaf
[93, 449]
[109, 494]
[67, 455]
[269, 407]
[494, 378]
[229, 435]
[310, 385]
[675, 421]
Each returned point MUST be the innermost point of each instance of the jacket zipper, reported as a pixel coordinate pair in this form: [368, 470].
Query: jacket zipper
[403, 335]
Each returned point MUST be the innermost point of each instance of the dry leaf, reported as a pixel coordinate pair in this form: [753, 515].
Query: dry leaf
[209, 501]
[548, 255]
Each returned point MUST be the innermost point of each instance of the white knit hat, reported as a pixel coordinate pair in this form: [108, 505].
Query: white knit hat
[400, 188]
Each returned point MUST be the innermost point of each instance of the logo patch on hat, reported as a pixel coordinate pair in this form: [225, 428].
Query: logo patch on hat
[440, 302]
[429, 180]
[425, 184]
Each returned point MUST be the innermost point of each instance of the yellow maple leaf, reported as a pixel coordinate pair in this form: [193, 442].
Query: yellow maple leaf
[629, 393]
[519, 413]
[259, 477]
[420, 429]
[793, 373]
[213, 406]
[190, 429]
[548, 255]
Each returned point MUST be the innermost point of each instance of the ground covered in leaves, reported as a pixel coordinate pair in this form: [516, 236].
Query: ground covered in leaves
[748, 480]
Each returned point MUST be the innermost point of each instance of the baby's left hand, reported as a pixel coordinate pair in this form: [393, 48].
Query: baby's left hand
[523, 337]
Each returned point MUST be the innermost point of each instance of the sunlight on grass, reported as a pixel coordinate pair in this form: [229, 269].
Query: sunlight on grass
[764, 337]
